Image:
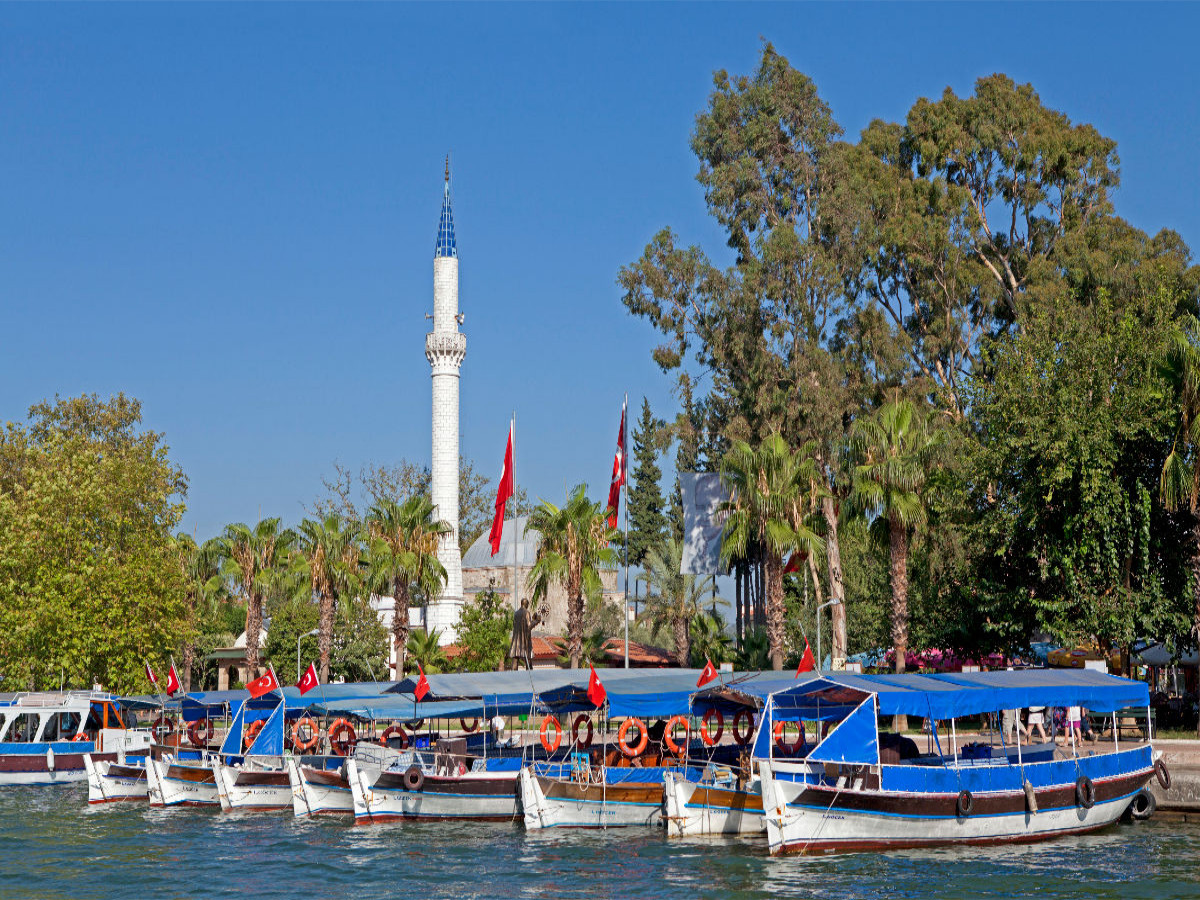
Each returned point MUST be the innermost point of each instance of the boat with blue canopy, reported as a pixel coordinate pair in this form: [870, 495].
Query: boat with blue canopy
[859, 787]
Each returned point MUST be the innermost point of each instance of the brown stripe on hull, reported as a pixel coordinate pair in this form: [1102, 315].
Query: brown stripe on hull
[400, 817]
[466, 787]
[191, 773]
[116, 770]
[946, 805]
[251, 777]
[721, 798]
[324, 778]
[36, 762]
[809, 848]
[637, 792]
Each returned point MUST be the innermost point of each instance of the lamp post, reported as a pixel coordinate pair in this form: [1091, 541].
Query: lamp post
[833, 602]
[298, 640]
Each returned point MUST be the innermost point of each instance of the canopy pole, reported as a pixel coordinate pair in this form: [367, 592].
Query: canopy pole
[954, 742]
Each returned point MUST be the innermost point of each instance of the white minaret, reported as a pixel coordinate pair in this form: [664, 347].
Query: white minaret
[445, 349]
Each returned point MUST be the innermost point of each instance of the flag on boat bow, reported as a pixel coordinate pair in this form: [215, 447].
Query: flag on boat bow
[308, 680]
[172, 680]
[422, 687]
[708, 674]
[263, 684]
[595, 690]
[807, 664]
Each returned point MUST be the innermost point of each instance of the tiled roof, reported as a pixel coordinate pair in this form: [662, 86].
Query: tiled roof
[548, 648]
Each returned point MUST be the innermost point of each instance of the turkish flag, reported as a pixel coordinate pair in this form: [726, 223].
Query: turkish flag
[309, 680]
[503, 493]
[172, 680]
[263, 685]
[422, 687]
[807, 664]
[150, 674]
[595, 690]
[708, 674]
[618, 472]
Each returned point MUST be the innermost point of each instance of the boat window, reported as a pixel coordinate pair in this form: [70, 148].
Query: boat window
[22, 729]
[62, 727]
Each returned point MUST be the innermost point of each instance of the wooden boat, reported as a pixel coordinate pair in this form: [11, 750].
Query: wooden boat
[257, 780]
[175, 781]
[712, 806]
[44, 737]
[111, 781]
[858, 790]
[320, 786]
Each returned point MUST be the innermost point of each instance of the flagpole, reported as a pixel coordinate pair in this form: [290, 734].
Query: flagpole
[516, 598]
[625, 484]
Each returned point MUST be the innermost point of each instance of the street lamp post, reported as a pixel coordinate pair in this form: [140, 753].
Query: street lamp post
[298, 640]
[834, 602]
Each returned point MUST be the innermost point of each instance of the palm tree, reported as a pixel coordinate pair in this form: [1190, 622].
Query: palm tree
[894, 452]
[425, 648]
[206, 591]
[330, 551]
[672, 599]
[708, 640]
[1180, 481]
[755, 652]
[772, 491]
[250, 556]
[575, 542]
[402, 558]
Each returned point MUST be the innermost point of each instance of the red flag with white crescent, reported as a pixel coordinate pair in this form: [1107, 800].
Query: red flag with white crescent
[595, 690]
[618, 472]
[502, 494]
[150, 674]
[807, 663]
[709, 673]
[308, 680]
[263, 685]
[172, 680]
[422, 687]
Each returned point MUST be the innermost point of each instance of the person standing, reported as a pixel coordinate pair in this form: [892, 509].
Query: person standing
[1075, 724]
[1037, 718]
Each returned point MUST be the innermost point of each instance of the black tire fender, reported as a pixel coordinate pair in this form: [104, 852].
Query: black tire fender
[414, 778]
[965, 804]
[1085, 792]
[1163, 774]
[1143, 805]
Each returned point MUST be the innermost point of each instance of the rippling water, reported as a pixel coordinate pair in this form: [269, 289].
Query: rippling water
[52, 845]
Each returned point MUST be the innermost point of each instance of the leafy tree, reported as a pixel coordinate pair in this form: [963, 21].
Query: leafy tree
[207, 593]
[755, 653]
[894, 451]
[425, 649]
[252, 557]
[708, 640]
[771, 489]
[330, 552]
[575, 543]
[593, 650]
[674, 600]
[484, 631]
[402, 559]
[647, 519]
[291, 622]
[91, 584]
[359, 651]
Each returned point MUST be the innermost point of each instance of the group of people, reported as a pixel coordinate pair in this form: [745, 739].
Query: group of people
[1012, 728]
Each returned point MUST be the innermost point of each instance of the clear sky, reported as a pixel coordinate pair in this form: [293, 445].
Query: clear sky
[229, 211]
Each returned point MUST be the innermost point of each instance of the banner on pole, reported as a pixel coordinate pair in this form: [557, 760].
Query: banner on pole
[703, 494]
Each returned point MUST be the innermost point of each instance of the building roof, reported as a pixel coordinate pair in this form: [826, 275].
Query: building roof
[446, 245]
[479, 554]
[548, 648]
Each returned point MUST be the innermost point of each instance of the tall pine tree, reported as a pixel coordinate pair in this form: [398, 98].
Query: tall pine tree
[647, 519]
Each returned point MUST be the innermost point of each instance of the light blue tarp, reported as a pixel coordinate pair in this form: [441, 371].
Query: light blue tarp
[948, 696]
[269, 741]
[401, 708]
[855, 739]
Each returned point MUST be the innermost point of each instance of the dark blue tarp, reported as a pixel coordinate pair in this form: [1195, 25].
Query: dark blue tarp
[854, 740]
[269, 741]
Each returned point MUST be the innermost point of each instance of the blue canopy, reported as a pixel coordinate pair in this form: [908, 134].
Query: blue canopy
[405, 708]
[855, 739]
[269, 741]
[950, 695]
[232, 745]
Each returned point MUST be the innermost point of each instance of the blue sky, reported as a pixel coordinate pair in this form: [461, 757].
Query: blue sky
[229, 211]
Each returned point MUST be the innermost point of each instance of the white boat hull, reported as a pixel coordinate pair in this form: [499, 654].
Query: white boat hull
[167, 785]
[561, 803]
[318, 798]
[694, 809]
[251, 789]
[474, 796]
[112, 782]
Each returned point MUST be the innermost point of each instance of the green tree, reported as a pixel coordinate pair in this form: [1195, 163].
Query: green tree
[402, 559]
[484, 631]
[755, 653]
[207, 593]
[647, 519]
[291, 622]
[91, 584]
[425, 650]
[575, 543]
[708, 640]
[252, 557]
[330, 552]
[894, 452]
[360, 641]
[771, 489]
[674, 600]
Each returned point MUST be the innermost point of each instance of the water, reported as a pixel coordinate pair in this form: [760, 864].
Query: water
[52, 845]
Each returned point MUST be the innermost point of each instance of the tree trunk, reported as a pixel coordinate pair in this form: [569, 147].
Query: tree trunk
[738, 578]
[575, 625]
[775, 610]
[400, 601]
[682, 644]
[1196, 587]
[325, 633]
[253, 628]
[837, 590]
[186, 655]
[899, 574]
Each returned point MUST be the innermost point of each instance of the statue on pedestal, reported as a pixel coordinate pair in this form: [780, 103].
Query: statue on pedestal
[521, 648]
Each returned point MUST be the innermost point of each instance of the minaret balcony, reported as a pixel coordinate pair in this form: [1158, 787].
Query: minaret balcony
[445, 349]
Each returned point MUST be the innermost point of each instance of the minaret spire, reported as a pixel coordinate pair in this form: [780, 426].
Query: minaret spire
[446, 245]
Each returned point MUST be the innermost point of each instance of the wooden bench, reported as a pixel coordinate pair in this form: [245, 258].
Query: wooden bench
[1131, 719]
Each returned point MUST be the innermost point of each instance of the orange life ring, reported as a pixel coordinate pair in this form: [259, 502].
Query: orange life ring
[623, 733]
[581, 720]
[82, 736]
[199, 733]
[547, 722]
[669, 735]
[252, 733]
[781, 741]
[743, 717]
[164, 727]
[396, 731]
[341, 737]
[711, 739]
[474, 726]
[313, 731]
